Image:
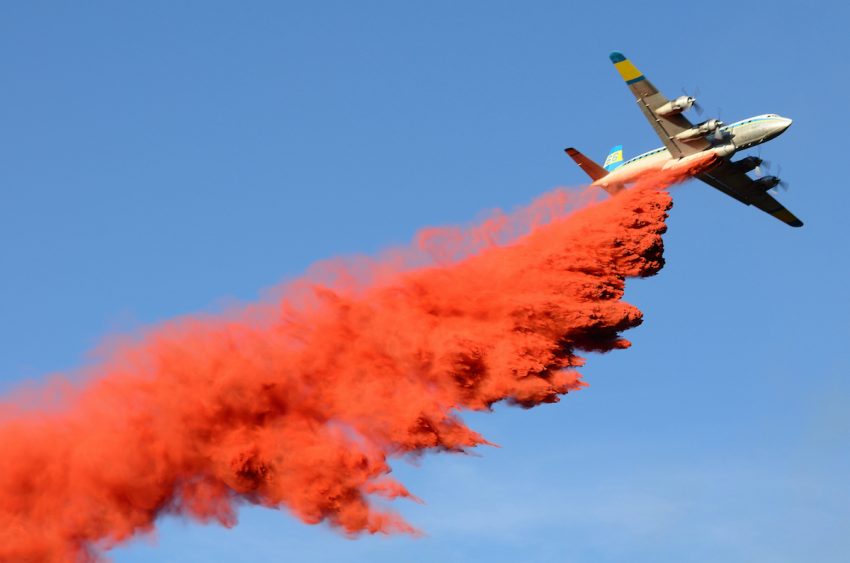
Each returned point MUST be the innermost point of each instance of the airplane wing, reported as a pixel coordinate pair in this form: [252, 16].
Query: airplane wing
[731, 181]
[649, 99]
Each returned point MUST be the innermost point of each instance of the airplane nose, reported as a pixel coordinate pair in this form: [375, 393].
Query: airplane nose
[780, 124]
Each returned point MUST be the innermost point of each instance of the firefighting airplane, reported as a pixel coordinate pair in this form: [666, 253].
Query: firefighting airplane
[685, 143]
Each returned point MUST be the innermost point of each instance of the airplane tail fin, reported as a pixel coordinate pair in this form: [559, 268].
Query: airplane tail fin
[615, 158]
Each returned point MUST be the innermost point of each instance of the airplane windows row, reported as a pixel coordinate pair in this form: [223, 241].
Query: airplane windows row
[743, 122]
[641, 157]
[752, 120]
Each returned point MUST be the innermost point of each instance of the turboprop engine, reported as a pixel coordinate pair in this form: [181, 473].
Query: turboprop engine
[749, 163]
[700, 130]
[678, 105]
[768, 182]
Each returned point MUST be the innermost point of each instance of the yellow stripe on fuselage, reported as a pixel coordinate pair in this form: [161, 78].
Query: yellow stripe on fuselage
[627, 70]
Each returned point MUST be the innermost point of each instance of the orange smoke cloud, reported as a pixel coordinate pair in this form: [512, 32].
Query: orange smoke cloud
[300, 402]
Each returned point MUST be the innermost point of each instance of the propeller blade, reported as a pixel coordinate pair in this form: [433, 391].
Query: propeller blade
[782, 183]
[695, 97]
[764, 165]
[698, 108]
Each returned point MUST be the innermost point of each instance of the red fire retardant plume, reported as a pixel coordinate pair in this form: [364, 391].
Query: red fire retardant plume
[299, 403]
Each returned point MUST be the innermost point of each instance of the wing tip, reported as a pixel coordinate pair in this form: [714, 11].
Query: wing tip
[787, 217]
[570, 151]
[617, 57]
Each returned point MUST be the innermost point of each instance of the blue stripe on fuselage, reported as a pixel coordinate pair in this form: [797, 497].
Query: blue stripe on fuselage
[726, 128]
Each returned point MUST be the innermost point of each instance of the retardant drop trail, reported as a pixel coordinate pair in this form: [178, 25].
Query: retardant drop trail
[299, 403]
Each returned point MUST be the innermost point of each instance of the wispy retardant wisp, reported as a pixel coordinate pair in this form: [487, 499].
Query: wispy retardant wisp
[298, 402]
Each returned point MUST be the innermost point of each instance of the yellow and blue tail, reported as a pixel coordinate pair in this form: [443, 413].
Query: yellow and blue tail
[615, 158]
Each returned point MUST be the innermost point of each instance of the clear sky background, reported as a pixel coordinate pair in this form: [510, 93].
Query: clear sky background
[162, 158]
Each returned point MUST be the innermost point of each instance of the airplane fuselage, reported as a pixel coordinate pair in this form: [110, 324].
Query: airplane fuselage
[732, 138]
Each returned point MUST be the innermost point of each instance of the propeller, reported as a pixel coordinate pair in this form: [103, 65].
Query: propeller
[763, 165]
[782, 183]
[719, 134]
[695, 97]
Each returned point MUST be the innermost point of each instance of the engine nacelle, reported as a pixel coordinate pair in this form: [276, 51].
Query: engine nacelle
[678, 105]
[767, 182]
[700, 130]
[725, 150]
[747, 164]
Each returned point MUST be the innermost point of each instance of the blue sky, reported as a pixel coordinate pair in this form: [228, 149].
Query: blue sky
[163, 158]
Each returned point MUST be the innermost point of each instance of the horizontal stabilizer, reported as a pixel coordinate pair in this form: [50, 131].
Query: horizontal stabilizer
[592, 169]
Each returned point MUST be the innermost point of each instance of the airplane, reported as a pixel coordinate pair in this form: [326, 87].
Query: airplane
[685, 143]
